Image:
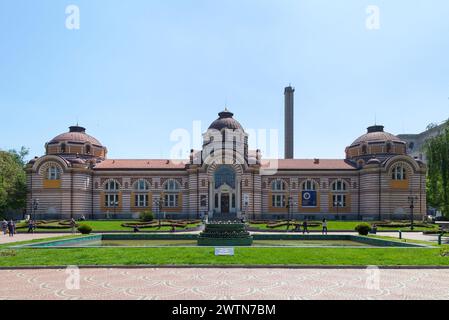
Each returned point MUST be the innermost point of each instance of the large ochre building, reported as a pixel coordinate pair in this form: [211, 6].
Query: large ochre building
[225, 178]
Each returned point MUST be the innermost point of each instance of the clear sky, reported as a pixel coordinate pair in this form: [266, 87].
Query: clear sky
[136, 70]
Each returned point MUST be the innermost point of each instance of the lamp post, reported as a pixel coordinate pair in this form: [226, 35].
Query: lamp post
[158, 204]
[411, 201]
[289, 210]
[35, 207]
[339, 205]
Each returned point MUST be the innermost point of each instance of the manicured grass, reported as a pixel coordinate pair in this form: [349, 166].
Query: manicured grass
[341, 225]
[110, 225]
[243, 256]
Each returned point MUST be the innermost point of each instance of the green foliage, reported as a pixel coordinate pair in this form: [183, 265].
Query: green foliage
[363, 229]
[12, 180]
[85, 229]
[146, 216]
[437, 152]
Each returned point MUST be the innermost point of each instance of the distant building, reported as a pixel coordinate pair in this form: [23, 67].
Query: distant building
[416, 142]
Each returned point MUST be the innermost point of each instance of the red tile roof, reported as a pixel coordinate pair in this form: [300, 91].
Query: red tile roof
[307, 164]
[141, 164]
[282, 164]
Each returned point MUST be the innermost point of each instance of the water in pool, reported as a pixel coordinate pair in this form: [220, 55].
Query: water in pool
[193, 243]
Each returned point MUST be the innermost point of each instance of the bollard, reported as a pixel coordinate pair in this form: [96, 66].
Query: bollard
[400, 235]
[439, 239]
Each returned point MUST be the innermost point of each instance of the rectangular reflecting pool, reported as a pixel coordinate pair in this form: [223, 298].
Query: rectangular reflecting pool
[190, 240]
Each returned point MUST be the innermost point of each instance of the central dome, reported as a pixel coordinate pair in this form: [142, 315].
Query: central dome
[225, 121]
[376, 134]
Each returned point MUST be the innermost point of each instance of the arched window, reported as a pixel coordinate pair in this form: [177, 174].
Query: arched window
[88, 149]
[112, 186]
[309, 185]
[112, 199]
[171, 185]
[63, 148]
[339, 198]
[339, 186]
[224, 174]
[278, 185]
[399, 173]
[141, 185]
[141, 197]
[53, 173]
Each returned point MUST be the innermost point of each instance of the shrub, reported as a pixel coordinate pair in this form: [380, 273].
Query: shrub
[85, 229]
[363, 229]
[146, 216]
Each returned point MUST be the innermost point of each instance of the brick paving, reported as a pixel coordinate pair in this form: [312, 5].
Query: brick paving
[28, 236]
[226, 284]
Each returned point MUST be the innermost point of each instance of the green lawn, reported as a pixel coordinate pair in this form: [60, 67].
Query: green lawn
[342, 225]
[111, 225]
[205, 256]
[243, 256]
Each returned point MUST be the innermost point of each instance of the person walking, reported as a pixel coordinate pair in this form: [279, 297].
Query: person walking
[30, 226]
[324, 226]
[73, 225]
[11, 228]
[305, 227]
[4, 227]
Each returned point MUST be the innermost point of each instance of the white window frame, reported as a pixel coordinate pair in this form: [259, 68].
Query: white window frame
[278, 201]
[339, 198]
[339, 186]
[171, 200]
[111, 199]
[399, 173]
[309, 185]
[141, 200]
[53, 173]
[278, 185]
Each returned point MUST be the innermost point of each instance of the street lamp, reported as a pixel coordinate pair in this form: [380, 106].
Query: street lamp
[35, 207]
[339, 205]
[411, 201]
[289, 208]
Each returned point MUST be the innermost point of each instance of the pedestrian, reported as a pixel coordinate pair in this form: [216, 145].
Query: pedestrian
[4, 227]
[305, 227]
[324, 226]
[11, 228]
[73, 225]
[30, 226]
[83, 218]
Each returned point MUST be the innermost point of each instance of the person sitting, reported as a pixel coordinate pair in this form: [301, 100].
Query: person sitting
[136, 229]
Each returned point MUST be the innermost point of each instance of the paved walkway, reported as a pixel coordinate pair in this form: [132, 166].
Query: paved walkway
[28, 236]
[225, 284]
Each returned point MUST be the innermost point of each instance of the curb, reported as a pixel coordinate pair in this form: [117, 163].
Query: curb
[227, 267]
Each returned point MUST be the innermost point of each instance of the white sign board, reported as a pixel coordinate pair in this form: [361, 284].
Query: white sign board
[224, 251]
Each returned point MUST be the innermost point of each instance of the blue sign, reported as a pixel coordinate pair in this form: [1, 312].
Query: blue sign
[309, 199]
[224, 251]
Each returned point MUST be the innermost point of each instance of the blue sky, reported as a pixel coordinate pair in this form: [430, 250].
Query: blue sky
[136, 70]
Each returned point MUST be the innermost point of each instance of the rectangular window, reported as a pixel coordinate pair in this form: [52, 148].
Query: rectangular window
[278, 201]
[111, 200]
[339, 201]
[141, 200]
[171, 200]
[203, 200]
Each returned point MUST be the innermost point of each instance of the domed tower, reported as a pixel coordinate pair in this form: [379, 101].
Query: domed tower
[76, 142]
[225, 140]
[376, 143]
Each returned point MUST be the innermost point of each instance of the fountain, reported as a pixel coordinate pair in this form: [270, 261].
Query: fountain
[225, 233]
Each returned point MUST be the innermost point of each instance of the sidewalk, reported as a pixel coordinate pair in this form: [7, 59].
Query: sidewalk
[28, 236]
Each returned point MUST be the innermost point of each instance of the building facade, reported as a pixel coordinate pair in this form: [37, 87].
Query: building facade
[226, 179]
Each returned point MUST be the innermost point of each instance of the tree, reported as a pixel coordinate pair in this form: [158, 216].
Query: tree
[437, 152]
[12, 180]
